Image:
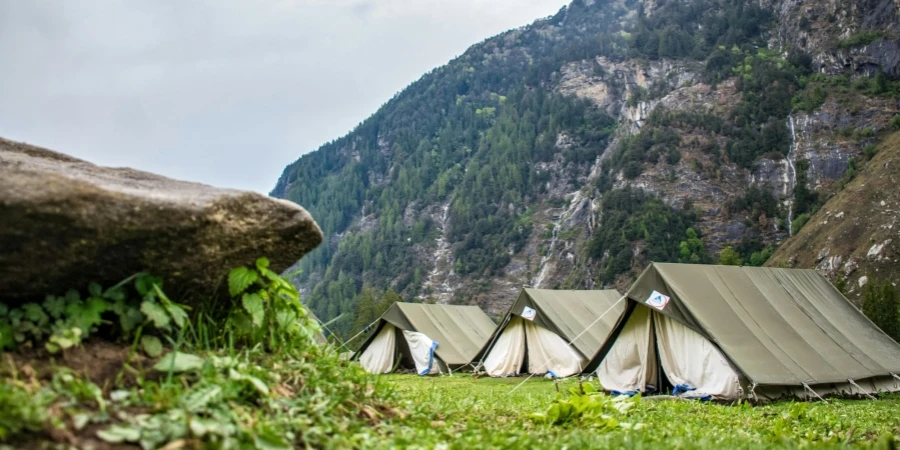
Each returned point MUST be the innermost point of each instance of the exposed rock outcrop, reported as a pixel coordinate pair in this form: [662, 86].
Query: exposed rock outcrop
[854, 235]
[65, 222]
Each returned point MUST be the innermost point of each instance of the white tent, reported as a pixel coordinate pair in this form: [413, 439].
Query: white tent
[536, 332]
[427, 338]
[725, 332]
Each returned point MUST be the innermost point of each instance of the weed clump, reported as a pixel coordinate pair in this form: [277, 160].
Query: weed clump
[258, 379]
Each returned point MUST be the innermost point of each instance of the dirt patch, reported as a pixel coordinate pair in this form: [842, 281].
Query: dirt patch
[98, 361]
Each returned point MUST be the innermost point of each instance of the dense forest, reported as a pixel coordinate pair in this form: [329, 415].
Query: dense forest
[474, 151]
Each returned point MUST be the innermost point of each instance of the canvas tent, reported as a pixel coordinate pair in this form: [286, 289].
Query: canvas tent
[729, 332]
[428, 338]
[535, 333]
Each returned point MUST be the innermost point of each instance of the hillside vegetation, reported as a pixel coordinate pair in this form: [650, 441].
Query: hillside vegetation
[572, 152]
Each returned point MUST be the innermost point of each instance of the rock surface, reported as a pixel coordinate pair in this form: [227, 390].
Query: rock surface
[65, 222]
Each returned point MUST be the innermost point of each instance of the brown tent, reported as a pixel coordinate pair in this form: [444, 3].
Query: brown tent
[728, 332]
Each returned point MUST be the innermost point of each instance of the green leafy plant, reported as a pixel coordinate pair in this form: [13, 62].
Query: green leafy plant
[267, 307]
[589, 407]
[63, 322]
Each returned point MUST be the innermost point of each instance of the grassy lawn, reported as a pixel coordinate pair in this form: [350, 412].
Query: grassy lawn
[459, 412]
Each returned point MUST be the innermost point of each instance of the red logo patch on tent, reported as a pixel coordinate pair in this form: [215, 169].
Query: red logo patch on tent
[658, 300]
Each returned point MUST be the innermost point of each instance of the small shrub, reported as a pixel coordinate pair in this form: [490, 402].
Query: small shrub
[870, 150]
[757, 259]
[585, 406]
[729, 257]
[267, 307]
[861, 39]
[798, 223]
[895, 123]
[881, 304]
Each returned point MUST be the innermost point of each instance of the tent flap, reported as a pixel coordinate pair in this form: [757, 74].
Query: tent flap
[508, 352]
[547, 352]
[421, 347]
[693, 363]
[378, 357]
[630, 365]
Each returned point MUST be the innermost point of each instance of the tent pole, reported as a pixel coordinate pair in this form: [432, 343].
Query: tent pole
[814, 392]
[862, 390]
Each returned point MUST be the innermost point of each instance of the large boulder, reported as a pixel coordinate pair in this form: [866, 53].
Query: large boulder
[65, 222]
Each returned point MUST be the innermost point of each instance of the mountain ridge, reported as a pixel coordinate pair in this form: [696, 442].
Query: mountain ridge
[573, 151]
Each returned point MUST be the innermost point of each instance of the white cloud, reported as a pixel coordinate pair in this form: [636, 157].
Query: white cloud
[225, 92]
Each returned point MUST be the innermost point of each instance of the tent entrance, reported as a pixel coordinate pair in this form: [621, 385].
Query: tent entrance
[416, 352]
[393, 348]
[651, 345]
[525, 347]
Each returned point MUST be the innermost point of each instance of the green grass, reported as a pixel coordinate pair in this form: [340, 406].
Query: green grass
[457, 412]
[258, 380]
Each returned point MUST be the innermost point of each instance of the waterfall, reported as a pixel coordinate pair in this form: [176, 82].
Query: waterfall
[790, 176]
[544, 259]
[441, 261]
[544, 266]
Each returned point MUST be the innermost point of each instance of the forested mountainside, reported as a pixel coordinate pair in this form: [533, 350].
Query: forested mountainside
[572, 152]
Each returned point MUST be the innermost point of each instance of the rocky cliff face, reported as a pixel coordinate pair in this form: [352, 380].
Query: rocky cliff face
[853, 239]
[841, 35]
[837, 113]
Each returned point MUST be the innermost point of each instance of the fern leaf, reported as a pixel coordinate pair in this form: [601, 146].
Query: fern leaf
[253, 304]
[240, 279]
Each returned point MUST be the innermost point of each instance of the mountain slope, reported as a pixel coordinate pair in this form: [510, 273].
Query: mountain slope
[854, 237]
[572, 152]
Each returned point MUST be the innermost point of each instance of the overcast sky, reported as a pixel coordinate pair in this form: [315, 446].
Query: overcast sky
[225, 92]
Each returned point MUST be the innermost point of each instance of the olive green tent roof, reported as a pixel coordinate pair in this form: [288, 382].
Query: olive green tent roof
[570, 314]
[777, 326]
[460, 331]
